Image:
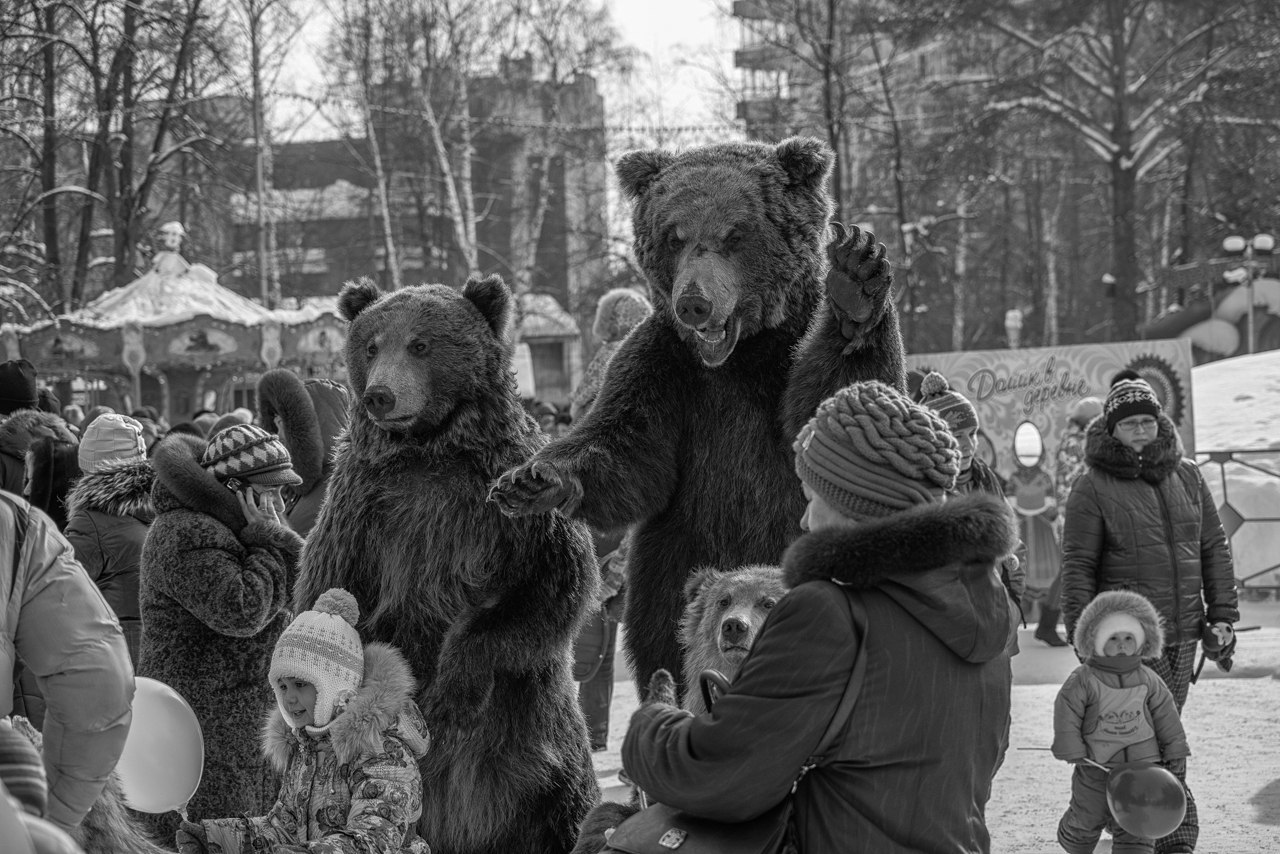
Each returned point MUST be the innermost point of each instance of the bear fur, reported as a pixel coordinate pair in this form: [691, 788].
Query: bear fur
[762, 308]
[483, 606]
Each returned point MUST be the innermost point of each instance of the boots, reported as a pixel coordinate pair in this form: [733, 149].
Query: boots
[1047, 630]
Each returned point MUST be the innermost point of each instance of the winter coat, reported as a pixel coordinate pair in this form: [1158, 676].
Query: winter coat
[314, 414]
[54, 467]
[17, 432]
[1147, 524]
[352, 787]
[214, 596]
[911, 768]
[617, 313]
[1115, 709]
[58, 622]
[109, 511]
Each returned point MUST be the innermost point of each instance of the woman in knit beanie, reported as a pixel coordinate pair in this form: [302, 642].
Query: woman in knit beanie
[345, 736]
[915, 599]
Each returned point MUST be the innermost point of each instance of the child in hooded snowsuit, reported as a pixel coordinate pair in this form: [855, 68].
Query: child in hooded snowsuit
[346, 736]
[1113, 710]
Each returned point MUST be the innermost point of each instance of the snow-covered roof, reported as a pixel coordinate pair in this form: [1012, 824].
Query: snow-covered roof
[162, 300]
[1237, 403]
[544, 318]
[312, 308]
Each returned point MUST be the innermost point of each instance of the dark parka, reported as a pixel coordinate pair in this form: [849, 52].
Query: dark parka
[1148, 524]
[313, 414]
[911, 769]
[108, 513]
[214, 596]
[17, 432]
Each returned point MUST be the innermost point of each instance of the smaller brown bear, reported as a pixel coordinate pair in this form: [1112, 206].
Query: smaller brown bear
[722, 620]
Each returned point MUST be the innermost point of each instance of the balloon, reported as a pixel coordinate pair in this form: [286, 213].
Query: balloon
[163, 756]
[47, 838]
[1146, 800]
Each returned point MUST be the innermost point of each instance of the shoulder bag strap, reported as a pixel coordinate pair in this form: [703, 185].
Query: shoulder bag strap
[858, 617]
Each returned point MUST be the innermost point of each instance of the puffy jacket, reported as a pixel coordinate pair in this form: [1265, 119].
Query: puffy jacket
[911, 768]
[17, 432]
[109, 512]
[64, 631]
[352, 787]
[1148, 524]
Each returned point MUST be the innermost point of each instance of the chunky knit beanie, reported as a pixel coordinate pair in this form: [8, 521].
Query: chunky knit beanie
[1127, 398]
[869, 451]
[322, 647]
[953, 406]
[22, 770]
[251, 454]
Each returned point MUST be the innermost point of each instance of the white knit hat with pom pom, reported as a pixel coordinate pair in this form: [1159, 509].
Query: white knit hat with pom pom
[322, 647]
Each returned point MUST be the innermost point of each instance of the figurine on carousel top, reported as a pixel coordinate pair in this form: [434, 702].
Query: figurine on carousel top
[169, 263]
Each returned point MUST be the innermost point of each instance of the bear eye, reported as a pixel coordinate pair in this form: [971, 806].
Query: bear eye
[768, 603]
[732, 239]
[371, 350]
[418, 348]
[723, 603]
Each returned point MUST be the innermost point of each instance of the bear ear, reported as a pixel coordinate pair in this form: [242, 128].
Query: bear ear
[492, 296]
[637, 170]
[699, 581]
[356, 297]
[805, 159]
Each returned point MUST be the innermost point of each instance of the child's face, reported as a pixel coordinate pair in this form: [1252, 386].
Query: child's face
[297, 701]
[968, 441]
[1120, 643]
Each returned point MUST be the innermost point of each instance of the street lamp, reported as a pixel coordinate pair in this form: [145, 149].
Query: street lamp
[1262, 244]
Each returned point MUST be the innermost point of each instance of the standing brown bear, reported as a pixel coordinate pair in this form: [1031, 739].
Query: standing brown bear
[690, 438]
[483, 606]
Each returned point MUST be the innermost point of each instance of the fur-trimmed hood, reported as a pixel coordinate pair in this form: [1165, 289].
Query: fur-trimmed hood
[23, 427]
[181, 482]
[936, 560]
[117, 489]
[384, 700]
[314, 412]
[618, 312]
[1158, 460]
[1115, 602]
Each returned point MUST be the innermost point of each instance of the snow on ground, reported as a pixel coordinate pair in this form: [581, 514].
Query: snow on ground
[1237, 403]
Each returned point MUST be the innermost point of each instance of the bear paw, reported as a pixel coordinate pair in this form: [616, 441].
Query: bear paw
[536, 487]
[859, 282]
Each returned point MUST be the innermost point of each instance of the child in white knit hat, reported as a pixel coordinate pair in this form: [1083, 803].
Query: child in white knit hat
[345, 735]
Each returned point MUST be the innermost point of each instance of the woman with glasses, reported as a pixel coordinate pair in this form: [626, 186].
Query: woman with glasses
[1141, 518]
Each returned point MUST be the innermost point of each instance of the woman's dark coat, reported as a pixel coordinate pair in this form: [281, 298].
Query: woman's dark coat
[1148, 524]
[911, 769]
[17, 432]
[215, 593]
[109, 511]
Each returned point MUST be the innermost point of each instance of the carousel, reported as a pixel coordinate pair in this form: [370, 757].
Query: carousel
[177, 340]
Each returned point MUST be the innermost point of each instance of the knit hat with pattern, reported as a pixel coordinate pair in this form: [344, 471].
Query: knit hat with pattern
[953, 406]
[111, 438]
[22, 770]
[249, 453]
[869, 451]
[1128, 398]
[322, 647]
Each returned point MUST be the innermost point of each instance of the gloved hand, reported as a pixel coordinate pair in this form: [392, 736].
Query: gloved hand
[191, 839]
[1175, 766]
[1219, 642]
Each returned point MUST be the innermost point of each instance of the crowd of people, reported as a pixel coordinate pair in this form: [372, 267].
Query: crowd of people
[170, 551]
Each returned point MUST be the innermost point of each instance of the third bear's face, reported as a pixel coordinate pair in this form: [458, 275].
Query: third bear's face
[733, 607]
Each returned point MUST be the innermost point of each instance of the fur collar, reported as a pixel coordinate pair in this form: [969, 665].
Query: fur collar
[281, 392]
[117, 489]
[23, 427]
[975, 528]
[1158, 460]
[181, 482]
[387, 688]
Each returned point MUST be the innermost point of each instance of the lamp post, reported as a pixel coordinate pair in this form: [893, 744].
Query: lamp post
[1261, 244]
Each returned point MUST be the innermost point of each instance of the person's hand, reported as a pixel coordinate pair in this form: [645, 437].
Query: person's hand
[256, 510]
[1224, 632]
[191, 839]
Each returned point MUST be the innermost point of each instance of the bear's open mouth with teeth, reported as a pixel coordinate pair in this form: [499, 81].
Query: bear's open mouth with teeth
[715, 345]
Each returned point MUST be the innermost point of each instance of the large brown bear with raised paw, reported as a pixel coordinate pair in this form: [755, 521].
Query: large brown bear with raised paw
[483, 606]
[690, 438]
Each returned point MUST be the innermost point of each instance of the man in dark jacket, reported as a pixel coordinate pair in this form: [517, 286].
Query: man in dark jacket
[911, 770]
[1142, 518]
[308, 417]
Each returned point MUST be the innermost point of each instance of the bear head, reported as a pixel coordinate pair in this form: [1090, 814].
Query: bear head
[427, 359]
[732, 237]
[723, 615]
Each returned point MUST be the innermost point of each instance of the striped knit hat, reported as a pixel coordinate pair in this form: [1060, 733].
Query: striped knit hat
[251, 454]
[322, 647]
[22, 769]
[869, 451]
[953, 406]
[1128, 398]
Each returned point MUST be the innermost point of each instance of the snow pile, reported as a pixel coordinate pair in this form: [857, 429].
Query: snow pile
[1237, 403]
[154, 300]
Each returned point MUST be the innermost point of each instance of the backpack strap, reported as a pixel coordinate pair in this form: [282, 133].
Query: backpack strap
[858, 617]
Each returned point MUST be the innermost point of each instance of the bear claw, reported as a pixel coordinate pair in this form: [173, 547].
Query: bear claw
[859, 281]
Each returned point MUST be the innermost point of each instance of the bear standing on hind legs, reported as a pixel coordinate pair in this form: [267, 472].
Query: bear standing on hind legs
[483, 606]
[690, 438]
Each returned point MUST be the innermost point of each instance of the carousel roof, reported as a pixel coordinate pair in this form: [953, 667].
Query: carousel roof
[542, 317]
[163, 300]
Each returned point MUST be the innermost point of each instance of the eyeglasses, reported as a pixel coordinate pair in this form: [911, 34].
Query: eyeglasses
[1133, 425]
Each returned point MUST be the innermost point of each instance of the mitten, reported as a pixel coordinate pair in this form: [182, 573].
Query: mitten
[191, 839]
[1219, 643]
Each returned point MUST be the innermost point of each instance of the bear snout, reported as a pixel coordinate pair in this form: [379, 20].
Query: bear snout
[379, 400]
[693, 310]
[734, 632]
